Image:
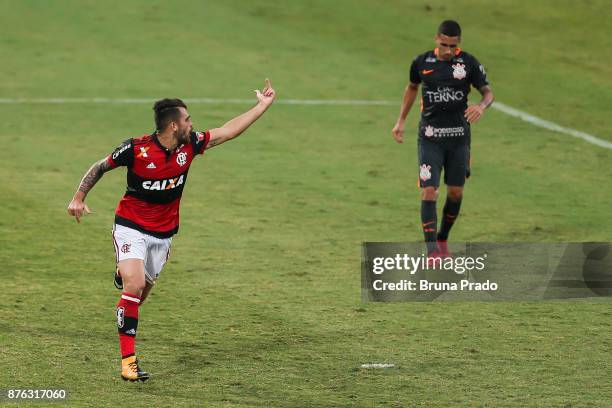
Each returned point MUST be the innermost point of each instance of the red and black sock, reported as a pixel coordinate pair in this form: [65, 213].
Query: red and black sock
[430, 223]
[127, 323]
[449, 216]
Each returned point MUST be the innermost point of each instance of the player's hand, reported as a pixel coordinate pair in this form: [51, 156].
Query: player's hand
[398, 132]
[77, 209]
[473, 113]
[266, 95]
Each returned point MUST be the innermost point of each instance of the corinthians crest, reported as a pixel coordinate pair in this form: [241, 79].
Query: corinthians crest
[459, 71]
[425, 173]
[429, 131]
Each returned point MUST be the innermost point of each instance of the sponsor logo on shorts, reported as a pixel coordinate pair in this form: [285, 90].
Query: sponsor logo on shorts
[425, 173]
[181, 159]
[459, 71]
[125, 248]
[163, 184]
[120, 315]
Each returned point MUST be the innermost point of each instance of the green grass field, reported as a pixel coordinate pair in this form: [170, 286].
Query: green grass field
[260, 304]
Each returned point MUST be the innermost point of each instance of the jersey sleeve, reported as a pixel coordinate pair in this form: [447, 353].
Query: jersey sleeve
[415, 77]
[478, 77]
[199, 140]
[123, 155]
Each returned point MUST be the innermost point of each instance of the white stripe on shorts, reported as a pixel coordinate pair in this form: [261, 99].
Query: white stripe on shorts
[116, 246]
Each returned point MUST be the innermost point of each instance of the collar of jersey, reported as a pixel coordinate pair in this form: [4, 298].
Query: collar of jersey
[161, 146]
[457, 52]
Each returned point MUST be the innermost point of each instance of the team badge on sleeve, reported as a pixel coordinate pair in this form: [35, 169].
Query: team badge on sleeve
[459, 71]
[121, 149]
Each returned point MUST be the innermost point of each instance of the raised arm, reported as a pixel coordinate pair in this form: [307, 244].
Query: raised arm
[410, 95]
[240, 123]
[77, 206]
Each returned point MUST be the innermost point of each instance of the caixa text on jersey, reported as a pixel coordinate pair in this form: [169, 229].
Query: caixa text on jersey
[163, 184]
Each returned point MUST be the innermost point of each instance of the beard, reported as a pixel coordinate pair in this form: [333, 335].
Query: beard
[182, 136]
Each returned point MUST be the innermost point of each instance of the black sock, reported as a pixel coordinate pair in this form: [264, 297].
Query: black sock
[429, 221]
[449, 216]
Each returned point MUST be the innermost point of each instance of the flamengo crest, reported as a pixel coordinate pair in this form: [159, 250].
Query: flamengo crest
[459, 71]
[181, 158]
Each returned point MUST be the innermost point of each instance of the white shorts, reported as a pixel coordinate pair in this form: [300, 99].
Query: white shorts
[132, 244]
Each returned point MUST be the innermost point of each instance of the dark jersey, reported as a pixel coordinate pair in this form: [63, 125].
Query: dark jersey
[446, 85]
[155, 181]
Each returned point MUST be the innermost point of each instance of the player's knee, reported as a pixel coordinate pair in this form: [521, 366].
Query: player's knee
[455, 193]
[429, 194]
[133, 275]
[134, 287]
[134, 283]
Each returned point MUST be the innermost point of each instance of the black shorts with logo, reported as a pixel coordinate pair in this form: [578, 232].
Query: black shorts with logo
[452, 156]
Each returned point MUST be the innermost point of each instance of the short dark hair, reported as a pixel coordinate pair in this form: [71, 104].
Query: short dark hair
[166, 111]
[450, 28]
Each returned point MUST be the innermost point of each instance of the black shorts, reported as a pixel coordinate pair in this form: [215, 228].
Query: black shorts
[453, 156]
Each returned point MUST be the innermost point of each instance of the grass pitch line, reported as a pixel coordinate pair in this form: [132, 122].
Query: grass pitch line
[508, 110]
[377, 365]
[524, 116]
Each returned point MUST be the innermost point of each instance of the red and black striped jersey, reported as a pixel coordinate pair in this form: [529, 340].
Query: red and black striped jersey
[156, 177]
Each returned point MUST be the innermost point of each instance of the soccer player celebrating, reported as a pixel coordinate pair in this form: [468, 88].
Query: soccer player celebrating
[446, 73]
[147, 216]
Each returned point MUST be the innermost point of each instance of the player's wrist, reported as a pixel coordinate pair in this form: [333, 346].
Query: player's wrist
[262, 106]
[79, 196]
